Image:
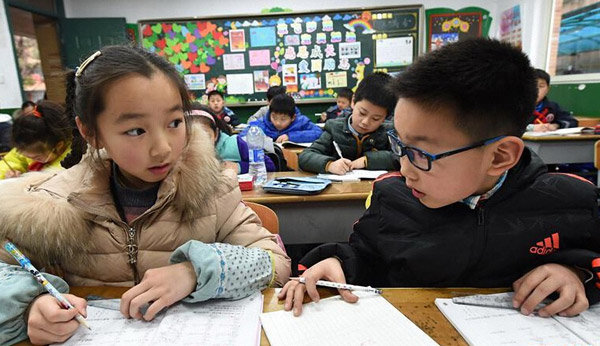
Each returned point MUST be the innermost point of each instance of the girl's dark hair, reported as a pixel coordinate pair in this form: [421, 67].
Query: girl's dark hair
[85, 93]
[217, 124]
[48, 124]
[27, 104]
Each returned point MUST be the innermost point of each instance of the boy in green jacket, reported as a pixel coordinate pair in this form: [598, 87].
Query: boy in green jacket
[361, 136]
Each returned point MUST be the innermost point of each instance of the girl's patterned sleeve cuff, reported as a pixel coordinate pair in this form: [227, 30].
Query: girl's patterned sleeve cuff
[224, 270]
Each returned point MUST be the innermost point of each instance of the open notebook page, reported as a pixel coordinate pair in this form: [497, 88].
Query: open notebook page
[586, 325]
[332, 321]
[487, 326]
[215, 322]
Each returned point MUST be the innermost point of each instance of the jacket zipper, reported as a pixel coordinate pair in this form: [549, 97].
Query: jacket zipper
[480, 216]
[132, 252]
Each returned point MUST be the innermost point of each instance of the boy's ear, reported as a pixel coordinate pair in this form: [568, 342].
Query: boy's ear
[505, 155]
[352, 102]
[85, 133]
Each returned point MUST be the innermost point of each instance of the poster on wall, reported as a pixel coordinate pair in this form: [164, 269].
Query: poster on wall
[195, 81]
[238, 40]
[510, 26]
[241, 83]
[290, 74]
[445, 26]
[395, 51]
[261, 81]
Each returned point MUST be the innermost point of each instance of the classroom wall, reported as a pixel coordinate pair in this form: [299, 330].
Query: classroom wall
[10, 91]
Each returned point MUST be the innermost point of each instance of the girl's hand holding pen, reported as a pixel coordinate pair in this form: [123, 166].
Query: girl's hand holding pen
[48, 322]
[293, 291]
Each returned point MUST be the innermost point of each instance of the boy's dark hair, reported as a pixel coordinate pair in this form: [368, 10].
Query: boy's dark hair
[218, 123]
[541, 74]
[27, 104]
[49, 125]
[375, 89]
[215, 92]
[284, 104]
[275, 90]
[345, 93]
[489, 86]
[85, 93]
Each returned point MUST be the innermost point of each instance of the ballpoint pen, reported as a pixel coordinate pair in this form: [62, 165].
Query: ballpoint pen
[26, 264]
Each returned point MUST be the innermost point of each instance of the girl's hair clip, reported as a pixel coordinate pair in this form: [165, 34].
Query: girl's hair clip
[35, 112]
[86, 62]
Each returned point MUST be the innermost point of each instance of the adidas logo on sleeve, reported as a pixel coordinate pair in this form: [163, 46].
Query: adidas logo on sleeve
[546, 246]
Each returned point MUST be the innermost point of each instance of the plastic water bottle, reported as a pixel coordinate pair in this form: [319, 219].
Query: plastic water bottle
[255, 140]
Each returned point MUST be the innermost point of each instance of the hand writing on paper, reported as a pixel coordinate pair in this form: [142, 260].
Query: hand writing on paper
[532, 288]
[160, 287]
[340, 166]
[544, 127]
[282, 138]
[293, 291]
[48, 322]
[359, 163]
[323, 116]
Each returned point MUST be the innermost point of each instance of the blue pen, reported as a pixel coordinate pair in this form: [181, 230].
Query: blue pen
[26, 264]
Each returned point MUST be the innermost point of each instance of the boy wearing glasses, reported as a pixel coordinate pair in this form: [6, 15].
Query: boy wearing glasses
[360, 136]
[471, 205]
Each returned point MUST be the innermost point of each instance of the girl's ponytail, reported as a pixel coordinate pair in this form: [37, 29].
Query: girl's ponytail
[79, 145]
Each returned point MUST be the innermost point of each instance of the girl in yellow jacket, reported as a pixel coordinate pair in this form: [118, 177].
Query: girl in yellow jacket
[147, 206]
[42, 139]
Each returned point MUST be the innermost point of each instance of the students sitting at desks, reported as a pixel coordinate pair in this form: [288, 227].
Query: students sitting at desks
[216, 102]
[360, 136]
[282, 123]
[471, 205]
[342, 107]
[42, 139]
[148, 207]
[547, 115]
[230, 148]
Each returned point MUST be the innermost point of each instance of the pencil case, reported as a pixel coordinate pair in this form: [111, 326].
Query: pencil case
[297, 185]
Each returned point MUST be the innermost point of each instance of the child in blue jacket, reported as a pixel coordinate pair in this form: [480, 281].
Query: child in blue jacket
[230, 148]
[283, 124]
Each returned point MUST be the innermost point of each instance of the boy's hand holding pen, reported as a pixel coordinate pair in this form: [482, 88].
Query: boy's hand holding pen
[340, 166]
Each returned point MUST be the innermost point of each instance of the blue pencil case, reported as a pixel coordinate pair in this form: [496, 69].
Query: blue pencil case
[297, 185]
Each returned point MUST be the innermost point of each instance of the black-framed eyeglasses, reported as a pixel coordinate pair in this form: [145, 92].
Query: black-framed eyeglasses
[422, 159]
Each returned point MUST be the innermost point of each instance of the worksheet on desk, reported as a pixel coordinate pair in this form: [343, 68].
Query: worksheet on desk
[370, 321]
[211, 323]
[491, 326]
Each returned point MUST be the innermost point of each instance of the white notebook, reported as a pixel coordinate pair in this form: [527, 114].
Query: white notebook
[355, 175]
[562, 132]
[211, 323]
[332, 321]
[498, 326]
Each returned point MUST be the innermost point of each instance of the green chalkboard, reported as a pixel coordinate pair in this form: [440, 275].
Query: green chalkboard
[312, 54]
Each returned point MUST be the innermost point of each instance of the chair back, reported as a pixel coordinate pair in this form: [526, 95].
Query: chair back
[266, 215]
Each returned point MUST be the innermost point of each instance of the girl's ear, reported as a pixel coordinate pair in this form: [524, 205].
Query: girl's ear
[85, 133]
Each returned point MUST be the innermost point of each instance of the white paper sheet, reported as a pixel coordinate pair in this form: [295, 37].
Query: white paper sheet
[211, 323]
[498, 326]
[354, 175]
[332, 321]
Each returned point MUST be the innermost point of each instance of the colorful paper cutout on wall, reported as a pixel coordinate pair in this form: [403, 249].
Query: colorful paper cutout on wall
[445, 26]
[291, 40]
[316, 65]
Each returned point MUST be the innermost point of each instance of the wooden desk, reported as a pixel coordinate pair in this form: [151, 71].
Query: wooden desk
[322, 218]
[415, 303]
[563, 149]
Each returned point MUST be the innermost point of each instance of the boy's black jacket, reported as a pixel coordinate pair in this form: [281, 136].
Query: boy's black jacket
[534, 218]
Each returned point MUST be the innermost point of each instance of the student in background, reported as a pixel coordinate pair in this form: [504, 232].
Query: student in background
[283, 124]
[216, 102]
[361, 136]
[262, 111]
[149, 207]
[471, 205]
[42, 139]
[231, 149]
[342, 108]
[547, 115]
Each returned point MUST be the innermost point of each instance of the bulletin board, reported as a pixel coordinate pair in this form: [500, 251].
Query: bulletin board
[312, 54]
